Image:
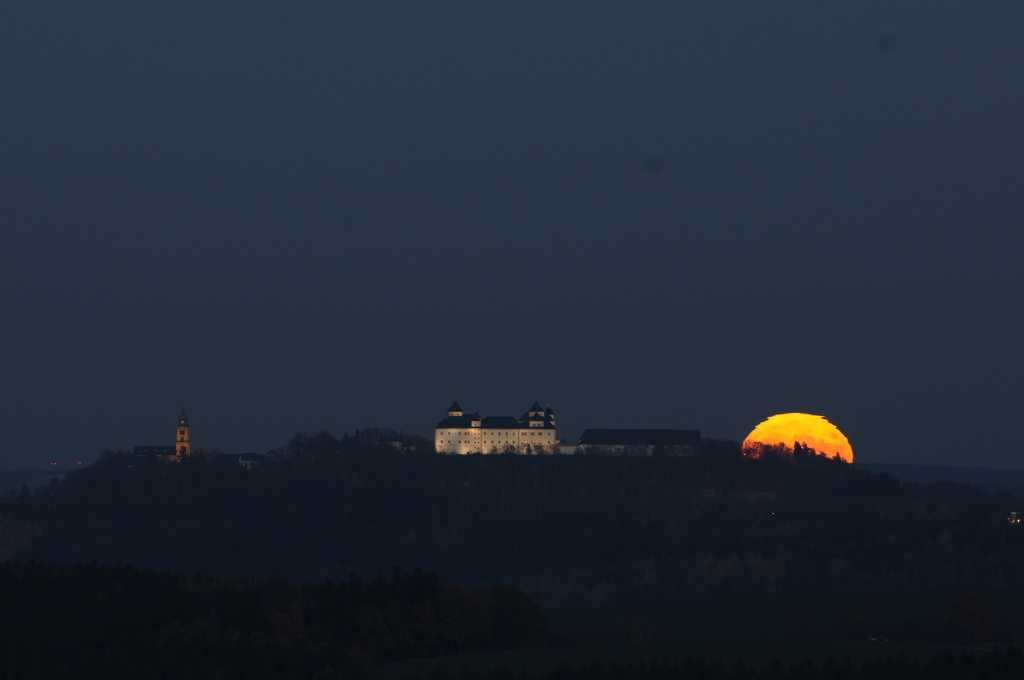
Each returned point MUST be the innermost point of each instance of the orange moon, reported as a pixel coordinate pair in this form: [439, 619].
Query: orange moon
[787, 429]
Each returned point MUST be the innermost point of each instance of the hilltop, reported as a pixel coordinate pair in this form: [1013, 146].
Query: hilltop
[572, 531]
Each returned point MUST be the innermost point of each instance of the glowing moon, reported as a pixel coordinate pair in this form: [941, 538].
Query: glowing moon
[787, 429]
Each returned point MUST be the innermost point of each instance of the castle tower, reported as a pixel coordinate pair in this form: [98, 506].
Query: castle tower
[535, 415]
[183, 438]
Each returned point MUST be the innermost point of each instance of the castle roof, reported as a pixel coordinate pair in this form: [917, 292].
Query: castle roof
[638, 437]
[455, 406]
[458, 421]
[501, 423]
[154, 450]
[547, 417]
[496, 422]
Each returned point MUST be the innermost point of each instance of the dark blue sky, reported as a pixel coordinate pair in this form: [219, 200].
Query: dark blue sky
[647, 214]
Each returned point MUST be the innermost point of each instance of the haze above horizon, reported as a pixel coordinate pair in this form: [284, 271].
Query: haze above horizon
[662, 216]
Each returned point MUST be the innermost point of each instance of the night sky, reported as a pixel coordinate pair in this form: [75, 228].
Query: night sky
[333, 215]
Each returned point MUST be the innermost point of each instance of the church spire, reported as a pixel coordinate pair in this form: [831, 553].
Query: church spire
[183, 437]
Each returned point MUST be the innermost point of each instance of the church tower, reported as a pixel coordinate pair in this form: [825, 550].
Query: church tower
[183, 438]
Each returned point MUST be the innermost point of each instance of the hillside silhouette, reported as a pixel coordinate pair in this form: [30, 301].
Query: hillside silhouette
[571, 531]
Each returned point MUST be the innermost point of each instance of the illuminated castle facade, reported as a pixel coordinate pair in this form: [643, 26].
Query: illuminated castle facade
[463, 433]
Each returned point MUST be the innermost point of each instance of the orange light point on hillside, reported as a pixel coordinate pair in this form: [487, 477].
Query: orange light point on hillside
[788, 429]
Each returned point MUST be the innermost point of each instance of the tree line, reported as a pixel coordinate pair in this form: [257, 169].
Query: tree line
[61, 621]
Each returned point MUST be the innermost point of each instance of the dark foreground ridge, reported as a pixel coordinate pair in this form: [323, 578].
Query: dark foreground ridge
[124, 622]
[120, 622]
[994, 665]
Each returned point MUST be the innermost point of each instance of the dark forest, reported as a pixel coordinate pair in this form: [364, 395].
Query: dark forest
[327, 552]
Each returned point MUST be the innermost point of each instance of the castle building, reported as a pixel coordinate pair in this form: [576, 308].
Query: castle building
[462, 433]
[639, 442]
